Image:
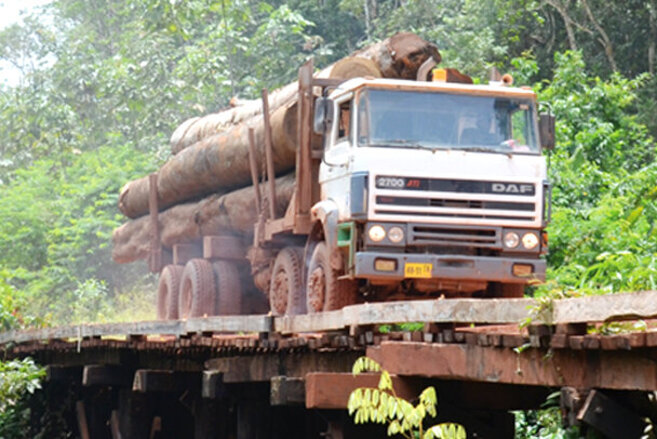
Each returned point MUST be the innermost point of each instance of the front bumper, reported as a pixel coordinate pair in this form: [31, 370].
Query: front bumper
[453, 267]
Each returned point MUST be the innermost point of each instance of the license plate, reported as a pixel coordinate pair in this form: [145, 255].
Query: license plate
[418, 270]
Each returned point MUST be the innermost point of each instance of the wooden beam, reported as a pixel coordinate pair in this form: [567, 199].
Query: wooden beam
[155, 259]
[325, 321]
[105, 375]
[154, 381]
[332, 390]
[150, 380]
[287, 391]
[610, 418]
[630, 370]
[492, 311]
[184, 252]
[223, 247]
[134, 417]
[115, 429]
[55, 372]
[255, 323]
[262, 368]
[83, 427]
[478, 311]
[212, 386]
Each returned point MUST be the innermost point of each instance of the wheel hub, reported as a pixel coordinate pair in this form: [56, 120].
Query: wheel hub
[316, 290]
[279, 292]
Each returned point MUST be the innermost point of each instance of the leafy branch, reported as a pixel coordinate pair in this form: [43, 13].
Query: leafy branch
[381, 405]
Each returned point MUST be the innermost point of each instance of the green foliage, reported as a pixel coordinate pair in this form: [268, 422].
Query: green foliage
[542, 424]
[381, 405]
[55, 242]
[605, 182]
[18, 380]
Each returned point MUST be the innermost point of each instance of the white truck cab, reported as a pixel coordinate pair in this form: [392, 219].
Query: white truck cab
[434, 187]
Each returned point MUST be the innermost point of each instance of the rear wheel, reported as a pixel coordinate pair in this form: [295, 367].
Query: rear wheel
[167, 292]
[197, 290]
[286, 286]
[229, 288]
[325, 292]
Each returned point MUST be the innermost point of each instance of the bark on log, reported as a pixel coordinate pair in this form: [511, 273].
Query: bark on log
[396, 57]
[218, 163]
[185, 223]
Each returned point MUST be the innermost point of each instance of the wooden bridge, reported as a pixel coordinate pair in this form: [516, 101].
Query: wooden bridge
[270, 377]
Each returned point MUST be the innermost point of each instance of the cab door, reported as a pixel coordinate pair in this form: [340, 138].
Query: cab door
[335, 169]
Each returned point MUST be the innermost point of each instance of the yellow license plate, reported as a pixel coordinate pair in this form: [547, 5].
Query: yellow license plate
[417, 270]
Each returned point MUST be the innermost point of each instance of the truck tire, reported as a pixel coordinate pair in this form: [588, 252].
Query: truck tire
[197, 290]
[286, 287]
[228, 297]
[324, 291]
[167, 292]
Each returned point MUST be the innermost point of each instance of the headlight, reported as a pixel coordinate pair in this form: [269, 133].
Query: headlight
[376, 233]
[530, 241]
[395, 234]
[511, 240]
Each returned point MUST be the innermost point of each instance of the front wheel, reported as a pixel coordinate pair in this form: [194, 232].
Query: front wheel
[286, 286]
[324, 290]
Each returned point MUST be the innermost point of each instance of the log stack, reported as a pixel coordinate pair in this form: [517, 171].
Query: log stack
[203, 186]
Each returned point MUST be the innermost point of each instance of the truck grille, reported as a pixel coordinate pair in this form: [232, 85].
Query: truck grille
[482, 237]
[458, 202]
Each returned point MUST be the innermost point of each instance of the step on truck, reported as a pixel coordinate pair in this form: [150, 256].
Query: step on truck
[418, 189]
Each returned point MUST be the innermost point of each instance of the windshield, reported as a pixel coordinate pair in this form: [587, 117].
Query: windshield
[414, 119]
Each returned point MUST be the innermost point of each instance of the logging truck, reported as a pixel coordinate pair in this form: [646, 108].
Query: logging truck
[418, 189]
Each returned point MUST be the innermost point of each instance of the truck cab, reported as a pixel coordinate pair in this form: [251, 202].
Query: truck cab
[432, 188]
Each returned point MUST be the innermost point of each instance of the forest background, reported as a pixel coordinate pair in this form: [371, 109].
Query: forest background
[103, 83]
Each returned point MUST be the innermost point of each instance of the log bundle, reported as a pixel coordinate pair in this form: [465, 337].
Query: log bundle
[200, 185]
[232, 213]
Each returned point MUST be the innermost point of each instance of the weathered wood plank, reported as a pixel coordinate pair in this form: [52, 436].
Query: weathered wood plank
[629, 370]
[610, 418]
[440, 311]
[479, 311]
[332, 390]
[625, 306]
[325, 321]
[104, 375]
[287, 391]
[255, 323]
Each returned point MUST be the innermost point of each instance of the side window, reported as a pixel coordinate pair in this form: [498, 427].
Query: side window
[344, 121]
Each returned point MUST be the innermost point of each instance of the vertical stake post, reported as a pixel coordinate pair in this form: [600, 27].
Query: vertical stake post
[155, 259]
[269, 155]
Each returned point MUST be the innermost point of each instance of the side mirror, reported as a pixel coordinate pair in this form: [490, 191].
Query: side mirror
[324, 115]
[546, 130]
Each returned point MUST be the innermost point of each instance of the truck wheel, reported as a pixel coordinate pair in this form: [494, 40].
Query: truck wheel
[197, 290]
[228, 299]
[167, 292]
[286, 286]
[325, 292]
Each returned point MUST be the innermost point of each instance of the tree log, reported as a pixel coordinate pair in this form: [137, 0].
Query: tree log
[216, 164]
[396, 57]
[216, 214]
